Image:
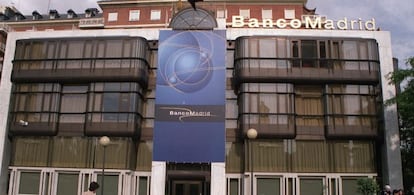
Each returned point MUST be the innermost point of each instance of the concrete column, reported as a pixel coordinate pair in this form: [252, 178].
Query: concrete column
[391, 153]
[218, 178]
[158, 175]
[5, 93]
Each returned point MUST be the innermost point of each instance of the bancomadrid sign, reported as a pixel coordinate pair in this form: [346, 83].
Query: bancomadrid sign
[308, 23]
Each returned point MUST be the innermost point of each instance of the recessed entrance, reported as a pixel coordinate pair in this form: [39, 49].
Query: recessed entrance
[188, 179]
[187, 187]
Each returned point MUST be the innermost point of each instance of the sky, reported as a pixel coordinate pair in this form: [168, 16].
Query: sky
[396, 16]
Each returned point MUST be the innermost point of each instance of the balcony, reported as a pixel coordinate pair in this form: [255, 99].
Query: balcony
[91, 23]
[358, 126]
[112, 124]
[269, 125]
[83, 70]
[305, 71]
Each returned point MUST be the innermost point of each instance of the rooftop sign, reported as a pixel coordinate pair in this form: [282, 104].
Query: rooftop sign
[315, 22]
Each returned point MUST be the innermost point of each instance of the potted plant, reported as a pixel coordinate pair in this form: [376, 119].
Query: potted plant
[367, 186]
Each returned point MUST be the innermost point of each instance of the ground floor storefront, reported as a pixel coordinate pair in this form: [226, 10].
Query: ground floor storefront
[195, 180]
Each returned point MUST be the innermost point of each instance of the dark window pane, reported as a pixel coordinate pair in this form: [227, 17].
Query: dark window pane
[311, 186]
[110, 102]
[110, 186]
[67, 184]
[29, 183]
[268, 186]
[234, 187]
[143, 186]
[349, 186]
[309, 53]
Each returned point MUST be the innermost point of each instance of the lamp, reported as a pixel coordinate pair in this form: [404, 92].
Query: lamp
[23, 123]
[251, 134]
[104, 141]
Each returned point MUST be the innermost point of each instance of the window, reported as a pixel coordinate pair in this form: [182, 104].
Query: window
[221, 13]
[155, 15]
[36, 102]
[73, 104]
[272, 52]
[29, 183]
[67, 183]
[111, 184]
[268, 186]
[143, 185]
[308, 106]
[349, 186]
[351, 105]
[353, 156]
[290, 14]
[134, 15]
[245, 13]
[267, 103]
[233, 186]
[311, 186]
[310, 53]
[113, 16]
[231, 113]
[75, 49]
[310, 156]
[267, 14]
[69, 152]
[114, 102]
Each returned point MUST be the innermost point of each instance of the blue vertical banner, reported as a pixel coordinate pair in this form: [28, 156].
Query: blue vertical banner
[190, 97]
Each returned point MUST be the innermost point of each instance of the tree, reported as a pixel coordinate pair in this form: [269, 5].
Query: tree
[367, 186]
[405, 105]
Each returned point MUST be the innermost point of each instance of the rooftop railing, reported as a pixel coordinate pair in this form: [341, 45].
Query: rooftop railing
[91, 22]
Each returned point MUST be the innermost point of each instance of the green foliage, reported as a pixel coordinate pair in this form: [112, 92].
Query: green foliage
[367, 186]
[405, 104]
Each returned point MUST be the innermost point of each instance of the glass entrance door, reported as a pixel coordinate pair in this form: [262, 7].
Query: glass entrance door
[187, 187]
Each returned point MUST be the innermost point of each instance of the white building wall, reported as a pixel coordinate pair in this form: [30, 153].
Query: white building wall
[5, 92]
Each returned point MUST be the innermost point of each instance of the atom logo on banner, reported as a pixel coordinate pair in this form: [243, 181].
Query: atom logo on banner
[189, 66]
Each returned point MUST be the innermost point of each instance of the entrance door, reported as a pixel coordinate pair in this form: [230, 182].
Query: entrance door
[187, 187]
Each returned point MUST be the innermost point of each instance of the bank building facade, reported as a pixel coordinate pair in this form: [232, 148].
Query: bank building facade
[227, 98]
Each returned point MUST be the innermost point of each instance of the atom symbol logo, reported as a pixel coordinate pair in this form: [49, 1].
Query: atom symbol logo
[185, 62]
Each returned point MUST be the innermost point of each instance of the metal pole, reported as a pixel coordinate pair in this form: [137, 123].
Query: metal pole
[251, 134]
[103, 170]
[251, 166]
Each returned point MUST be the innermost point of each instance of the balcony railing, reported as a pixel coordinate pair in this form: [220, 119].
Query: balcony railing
[82, 69]
[91, 23]
[305, 70]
